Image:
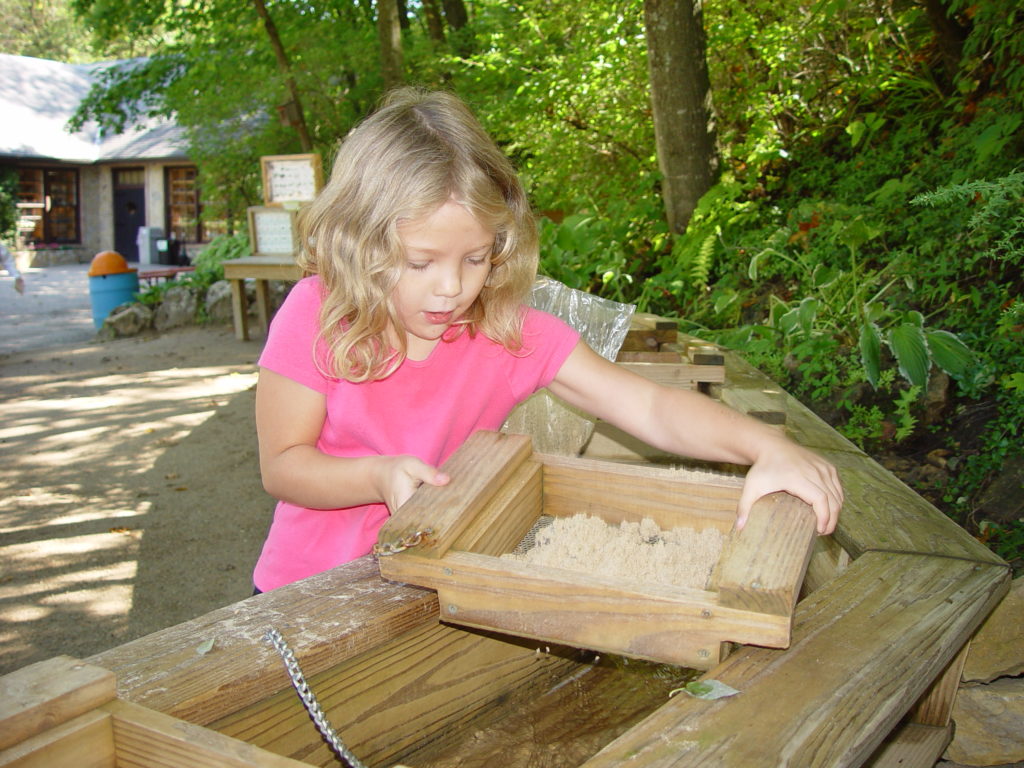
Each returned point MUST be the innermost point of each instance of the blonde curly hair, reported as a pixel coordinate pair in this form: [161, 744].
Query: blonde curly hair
[418, 150]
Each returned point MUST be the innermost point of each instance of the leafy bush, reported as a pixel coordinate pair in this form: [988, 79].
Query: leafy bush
[209, 263]
[8, 204]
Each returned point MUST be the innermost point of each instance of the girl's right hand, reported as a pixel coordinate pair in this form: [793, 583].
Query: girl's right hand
[400, 476]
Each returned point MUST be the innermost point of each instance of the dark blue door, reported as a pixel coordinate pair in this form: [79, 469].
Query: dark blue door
[129, 211]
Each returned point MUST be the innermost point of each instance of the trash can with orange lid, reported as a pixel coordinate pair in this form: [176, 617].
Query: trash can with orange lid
[111, 283]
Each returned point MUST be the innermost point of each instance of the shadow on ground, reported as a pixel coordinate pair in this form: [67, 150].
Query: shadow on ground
[130, 497]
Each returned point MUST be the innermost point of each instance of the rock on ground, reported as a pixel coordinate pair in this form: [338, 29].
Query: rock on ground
[989, 707]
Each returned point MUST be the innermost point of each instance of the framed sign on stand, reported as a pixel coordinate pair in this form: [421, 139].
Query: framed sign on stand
[289, 180]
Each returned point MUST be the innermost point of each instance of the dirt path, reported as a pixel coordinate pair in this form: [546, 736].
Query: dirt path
[130, 497]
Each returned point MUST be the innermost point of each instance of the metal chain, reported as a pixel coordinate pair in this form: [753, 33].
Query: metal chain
[393, 548]
[291, 665]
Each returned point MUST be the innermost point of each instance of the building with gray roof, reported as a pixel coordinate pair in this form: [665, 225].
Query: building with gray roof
[83, 192]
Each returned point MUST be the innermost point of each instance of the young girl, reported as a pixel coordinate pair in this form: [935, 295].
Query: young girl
[411, 334]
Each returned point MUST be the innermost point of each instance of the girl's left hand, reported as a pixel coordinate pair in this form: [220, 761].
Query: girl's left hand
[786, 466]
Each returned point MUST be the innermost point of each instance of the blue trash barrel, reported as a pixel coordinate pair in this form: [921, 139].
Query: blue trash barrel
[111, 284]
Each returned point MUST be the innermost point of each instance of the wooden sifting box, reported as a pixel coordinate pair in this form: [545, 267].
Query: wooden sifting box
[450, 539]
[62, 713]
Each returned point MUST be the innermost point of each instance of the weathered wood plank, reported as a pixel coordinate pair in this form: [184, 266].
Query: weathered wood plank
[913, 746]
[766, 404]
[147, 739]
[881, 513]
[42, 695]
[85, 741]
[762, 566]
[746, 387]
[865, 647]
[477, 469]
[564, 725]
[662, 356]
[828, 560]
[936, 706]
[677, 375]
[336, 615]
[609, 443]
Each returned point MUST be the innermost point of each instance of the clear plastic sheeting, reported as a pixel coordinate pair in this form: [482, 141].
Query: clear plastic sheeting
[555, 426]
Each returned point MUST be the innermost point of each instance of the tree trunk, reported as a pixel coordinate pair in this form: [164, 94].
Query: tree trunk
[389, 32]
[435, 24]
[684, 129]
[294, 112]
[950, 36]
[461, 37]
[455, 13]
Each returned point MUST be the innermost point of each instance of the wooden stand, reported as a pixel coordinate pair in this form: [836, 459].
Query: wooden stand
[499, 489]
[261, 269]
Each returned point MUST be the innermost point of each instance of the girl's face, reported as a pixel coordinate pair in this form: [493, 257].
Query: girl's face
[447, 261]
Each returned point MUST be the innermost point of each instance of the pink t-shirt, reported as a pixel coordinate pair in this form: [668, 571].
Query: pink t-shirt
[426, 408]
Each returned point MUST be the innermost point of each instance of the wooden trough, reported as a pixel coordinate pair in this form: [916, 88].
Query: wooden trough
[889, 604]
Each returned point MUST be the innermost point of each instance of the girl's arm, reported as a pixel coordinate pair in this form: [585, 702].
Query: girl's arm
[691, 424]
[289, 418]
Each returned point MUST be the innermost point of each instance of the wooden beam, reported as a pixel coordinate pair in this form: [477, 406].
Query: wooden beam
[506, 519]
[147, 739]
[865, 647]
[85, 741]
[42, 695]
[746, 387]
[616, 492]
[828, 560]
[435, 516]
[677, 375]
[762, 566]
[240, 309]
[936, 706]
[329, 618]
[912, 746]
[881, 513]
[675, 625]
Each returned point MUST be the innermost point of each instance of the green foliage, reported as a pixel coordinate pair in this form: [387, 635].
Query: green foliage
[608, 255]
[45, 29]
[153, 294]
[8, 204]
[994, 48]
[209, 263]
[866, 231]
[997, 220]
[216, 73]
[1007, 541]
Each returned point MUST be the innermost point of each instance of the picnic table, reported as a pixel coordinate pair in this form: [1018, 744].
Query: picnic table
[152, 276]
